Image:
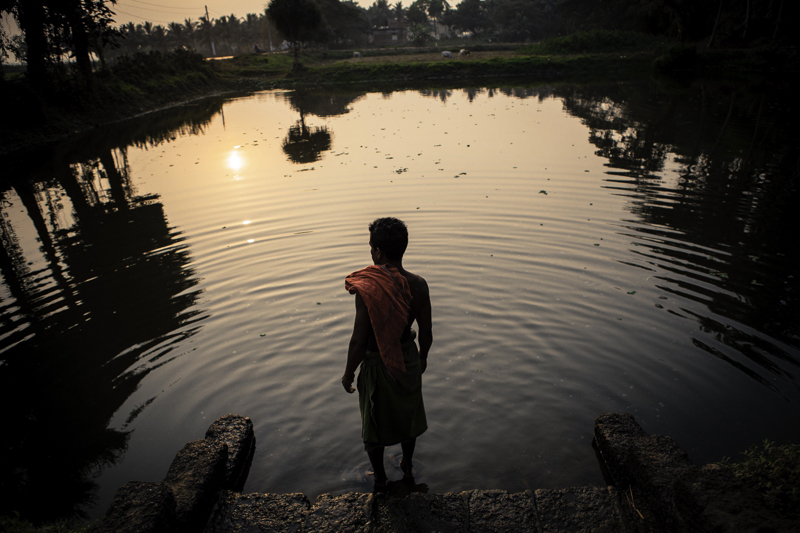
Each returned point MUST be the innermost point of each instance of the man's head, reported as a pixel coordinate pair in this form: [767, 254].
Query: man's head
[390, 236]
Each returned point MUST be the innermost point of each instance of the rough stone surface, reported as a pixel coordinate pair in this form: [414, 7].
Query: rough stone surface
[616, 435]
[196, 477]
[655, 465]
[657, 489]
[578, 510]
[142, 508]
[443, 513]
[350, 512]
[255, 513]
[497, 511]
[237, 432]
[645, 468]
[712, 499]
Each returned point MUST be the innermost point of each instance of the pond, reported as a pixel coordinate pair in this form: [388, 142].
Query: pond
[590, 248]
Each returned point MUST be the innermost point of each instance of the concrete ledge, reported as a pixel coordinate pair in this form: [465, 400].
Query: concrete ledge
[656, 488]
[196, 477]
[237, 433]
[245, 513]
[500, 512]
[445, 513]
[349, 512]
[143, 507]
[579, 509]
[712, 499]
[644, 467]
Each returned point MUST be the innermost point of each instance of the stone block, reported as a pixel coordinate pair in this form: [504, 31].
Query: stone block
[496, 511]
[713, 499]
[259, 513]
[237, 432]
[196, 477]
[616, 435]
[443, 513]
[578, 510]
[645, 468]
[350, 512]
[140, 507]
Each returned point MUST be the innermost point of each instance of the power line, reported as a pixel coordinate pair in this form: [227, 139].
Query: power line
[141, 17]
[161, 11]
[161, 5]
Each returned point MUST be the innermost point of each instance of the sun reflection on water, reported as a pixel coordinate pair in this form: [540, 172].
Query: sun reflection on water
[235, 161]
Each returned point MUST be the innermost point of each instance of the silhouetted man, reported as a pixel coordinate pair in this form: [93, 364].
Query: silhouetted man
[388, 301]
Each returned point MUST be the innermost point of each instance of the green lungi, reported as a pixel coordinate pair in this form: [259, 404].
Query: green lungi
[391, 410]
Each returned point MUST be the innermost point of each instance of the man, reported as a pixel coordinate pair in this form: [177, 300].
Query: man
[389, 299]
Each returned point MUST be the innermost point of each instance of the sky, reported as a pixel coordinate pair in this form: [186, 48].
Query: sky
[165, 11]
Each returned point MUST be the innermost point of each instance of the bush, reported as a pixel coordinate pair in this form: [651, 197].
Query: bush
[676, 58]
[595, 41]
[774, 471]
[144, 66]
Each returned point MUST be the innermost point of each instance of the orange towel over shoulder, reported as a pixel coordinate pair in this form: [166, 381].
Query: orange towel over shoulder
[388, 299]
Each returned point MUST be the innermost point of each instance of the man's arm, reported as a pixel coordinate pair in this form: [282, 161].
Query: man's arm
[425, 323]
[358, 344]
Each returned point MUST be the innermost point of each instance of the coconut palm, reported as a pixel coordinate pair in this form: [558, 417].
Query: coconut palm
[205, 35]
[190, 33]
[176, 35]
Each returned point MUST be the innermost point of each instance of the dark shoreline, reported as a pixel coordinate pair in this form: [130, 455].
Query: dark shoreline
[652, 486]
[57, 123]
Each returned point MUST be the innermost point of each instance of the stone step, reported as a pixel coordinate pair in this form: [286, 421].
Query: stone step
[573, 510]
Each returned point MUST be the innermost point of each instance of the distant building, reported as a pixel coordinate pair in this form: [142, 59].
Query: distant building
[392, 35]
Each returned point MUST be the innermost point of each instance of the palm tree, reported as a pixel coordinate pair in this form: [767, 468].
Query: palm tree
[175, 35]
[435, 10]
[205, 33]
[189, 27]
[235, 33]
[134, 37]
[399, 13]
[252, 30]
[158, 38]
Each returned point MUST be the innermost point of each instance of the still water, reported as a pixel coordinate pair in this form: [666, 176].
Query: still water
[589, 249]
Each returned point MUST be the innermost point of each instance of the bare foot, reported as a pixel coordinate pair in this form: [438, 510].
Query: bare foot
[408, 469]
[381, 485]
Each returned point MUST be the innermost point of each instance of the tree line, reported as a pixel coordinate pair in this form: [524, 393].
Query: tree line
[84, 31]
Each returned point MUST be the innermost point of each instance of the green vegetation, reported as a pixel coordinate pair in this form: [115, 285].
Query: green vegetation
[596, 42]
[774, 471]
[133, 85]
[432, 66]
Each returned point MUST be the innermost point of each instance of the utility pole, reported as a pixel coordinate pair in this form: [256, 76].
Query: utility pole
[211, 35]
[269, 34]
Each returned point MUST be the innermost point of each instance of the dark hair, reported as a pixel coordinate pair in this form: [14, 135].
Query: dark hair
[390, 235]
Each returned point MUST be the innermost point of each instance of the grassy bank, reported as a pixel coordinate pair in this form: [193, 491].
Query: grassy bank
[133, 86]
[147, 82]
[422, 66]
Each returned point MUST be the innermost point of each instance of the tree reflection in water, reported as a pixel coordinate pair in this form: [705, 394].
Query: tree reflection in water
[79, 335]
[728, 225]
[304, 144]
[724, 232]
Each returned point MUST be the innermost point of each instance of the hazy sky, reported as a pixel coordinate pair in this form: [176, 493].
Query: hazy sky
[165, 11]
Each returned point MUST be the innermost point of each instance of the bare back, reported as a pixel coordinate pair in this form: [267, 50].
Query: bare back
[420, 302]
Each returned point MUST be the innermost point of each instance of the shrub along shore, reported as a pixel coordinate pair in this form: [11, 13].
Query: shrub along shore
[148, 82]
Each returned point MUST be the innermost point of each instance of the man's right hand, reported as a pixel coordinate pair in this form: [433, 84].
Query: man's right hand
[347, 383]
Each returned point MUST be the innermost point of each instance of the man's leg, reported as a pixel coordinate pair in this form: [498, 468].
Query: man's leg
[408, 454]
[376, 459]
